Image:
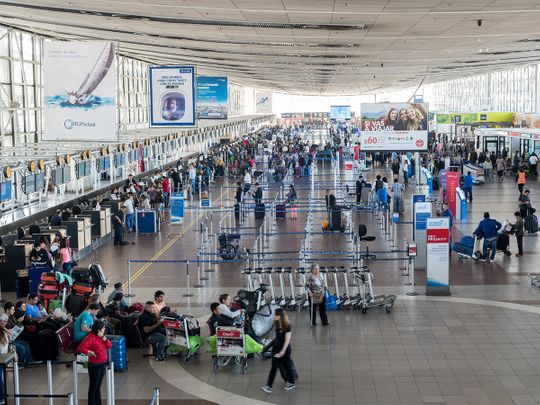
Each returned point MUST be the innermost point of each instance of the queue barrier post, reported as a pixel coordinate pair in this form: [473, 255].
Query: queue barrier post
[50, 382]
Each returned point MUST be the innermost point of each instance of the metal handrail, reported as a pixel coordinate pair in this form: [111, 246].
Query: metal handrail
[155, 397]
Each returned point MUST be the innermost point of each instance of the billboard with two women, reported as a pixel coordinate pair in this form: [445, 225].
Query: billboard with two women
[394, 127]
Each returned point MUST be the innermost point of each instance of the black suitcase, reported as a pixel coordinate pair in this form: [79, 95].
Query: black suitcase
[46, 346]
[281, 211]
[75, 304]
[82, 275]
[98, 276]
[260, 210]
[335, 222]
[531, 223]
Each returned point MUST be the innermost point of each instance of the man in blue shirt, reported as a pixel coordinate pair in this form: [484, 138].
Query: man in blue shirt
[488, 228]
[467, 186]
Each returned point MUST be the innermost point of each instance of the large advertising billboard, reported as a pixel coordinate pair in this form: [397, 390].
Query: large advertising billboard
[394, 127]
[79, 93]
[340, 112]
[263, 102]
[212, 95]
[172, 96]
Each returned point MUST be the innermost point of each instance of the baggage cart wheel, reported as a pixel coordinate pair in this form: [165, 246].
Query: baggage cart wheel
[244, 366]
[216, 365]
[237, 360]
[388, 309]
[187, 359]
[364, 310]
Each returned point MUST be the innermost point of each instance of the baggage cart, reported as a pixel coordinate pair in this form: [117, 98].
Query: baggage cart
[183, 335]
[231, 344]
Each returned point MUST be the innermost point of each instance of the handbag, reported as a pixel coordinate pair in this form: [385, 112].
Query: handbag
[317, 297]
[82, 363]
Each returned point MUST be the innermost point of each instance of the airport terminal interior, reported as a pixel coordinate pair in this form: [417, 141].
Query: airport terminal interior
[269, 202]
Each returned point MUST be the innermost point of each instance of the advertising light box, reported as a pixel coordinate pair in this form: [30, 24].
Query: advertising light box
[394, 127]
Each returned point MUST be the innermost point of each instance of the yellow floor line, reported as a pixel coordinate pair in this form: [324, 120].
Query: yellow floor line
[168, 246]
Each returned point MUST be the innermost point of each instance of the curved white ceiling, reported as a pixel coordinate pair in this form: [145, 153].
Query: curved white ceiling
[303, 46]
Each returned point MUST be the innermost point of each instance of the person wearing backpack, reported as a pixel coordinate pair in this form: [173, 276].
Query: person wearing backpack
[518, 229]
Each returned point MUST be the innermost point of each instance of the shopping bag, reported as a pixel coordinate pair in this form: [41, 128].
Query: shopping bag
[82, 363]
[331, 304]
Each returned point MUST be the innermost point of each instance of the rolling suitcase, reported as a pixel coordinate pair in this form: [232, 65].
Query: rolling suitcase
[81, 275]
[75, 304]
[118, 352]
[260, 210]
[46, 346]
[531, 223]
[281, 211]
[98, 277]
[82, 289]
[48, 278]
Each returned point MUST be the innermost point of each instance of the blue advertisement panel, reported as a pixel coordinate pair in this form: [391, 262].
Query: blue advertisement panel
[172, 96]
[212, 95]
[177, 208]
[340, 112]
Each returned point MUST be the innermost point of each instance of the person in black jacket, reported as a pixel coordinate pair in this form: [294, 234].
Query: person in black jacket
[239, 191]
[360, 183]
[217, 319]
[258, 194]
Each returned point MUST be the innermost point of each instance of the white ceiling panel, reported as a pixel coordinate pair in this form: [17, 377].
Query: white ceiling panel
[302, 46]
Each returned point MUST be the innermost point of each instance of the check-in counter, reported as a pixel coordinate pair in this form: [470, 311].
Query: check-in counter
[16, 260]
[146, 221]
[100, 220]
[79, 229]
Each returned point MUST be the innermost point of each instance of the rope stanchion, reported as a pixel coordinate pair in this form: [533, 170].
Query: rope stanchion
[188, 287]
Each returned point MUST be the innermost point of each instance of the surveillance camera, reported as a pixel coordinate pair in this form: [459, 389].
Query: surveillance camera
[479, 23]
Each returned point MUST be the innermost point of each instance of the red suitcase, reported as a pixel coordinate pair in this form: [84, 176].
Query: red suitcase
[48, 278]
[82, 289]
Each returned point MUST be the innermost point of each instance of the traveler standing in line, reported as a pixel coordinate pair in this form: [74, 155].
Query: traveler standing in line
[192, 174]
[95, 345]
[281, 352]
[525, 204]
[316, 294]
[520, 180]
[467, 186]
[360, 183]
[130, 212]
[4, 345]
[488, 228]
[258, 194]
[517, 227]
[397, 193]
[501, 166]
[405, 170]
[65, 257]
[533, 164]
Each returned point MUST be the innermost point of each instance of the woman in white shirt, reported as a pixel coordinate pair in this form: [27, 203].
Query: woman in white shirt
[224, 306]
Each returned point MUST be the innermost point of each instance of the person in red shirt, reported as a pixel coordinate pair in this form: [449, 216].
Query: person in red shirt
[95, 345]
[166, 189]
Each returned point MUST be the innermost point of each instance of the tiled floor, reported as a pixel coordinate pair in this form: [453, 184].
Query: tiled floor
[478, 346]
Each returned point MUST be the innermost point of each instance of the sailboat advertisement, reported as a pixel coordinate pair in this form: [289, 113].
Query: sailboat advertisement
[263, 102]
[79, 95]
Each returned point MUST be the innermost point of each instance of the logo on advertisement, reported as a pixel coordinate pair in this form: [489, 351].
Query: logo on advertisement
[70, 124]
[419, 143]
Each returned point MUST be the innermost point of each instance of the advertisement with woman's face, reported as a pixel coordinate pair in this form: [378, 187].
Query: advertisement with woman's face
[394, 126]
